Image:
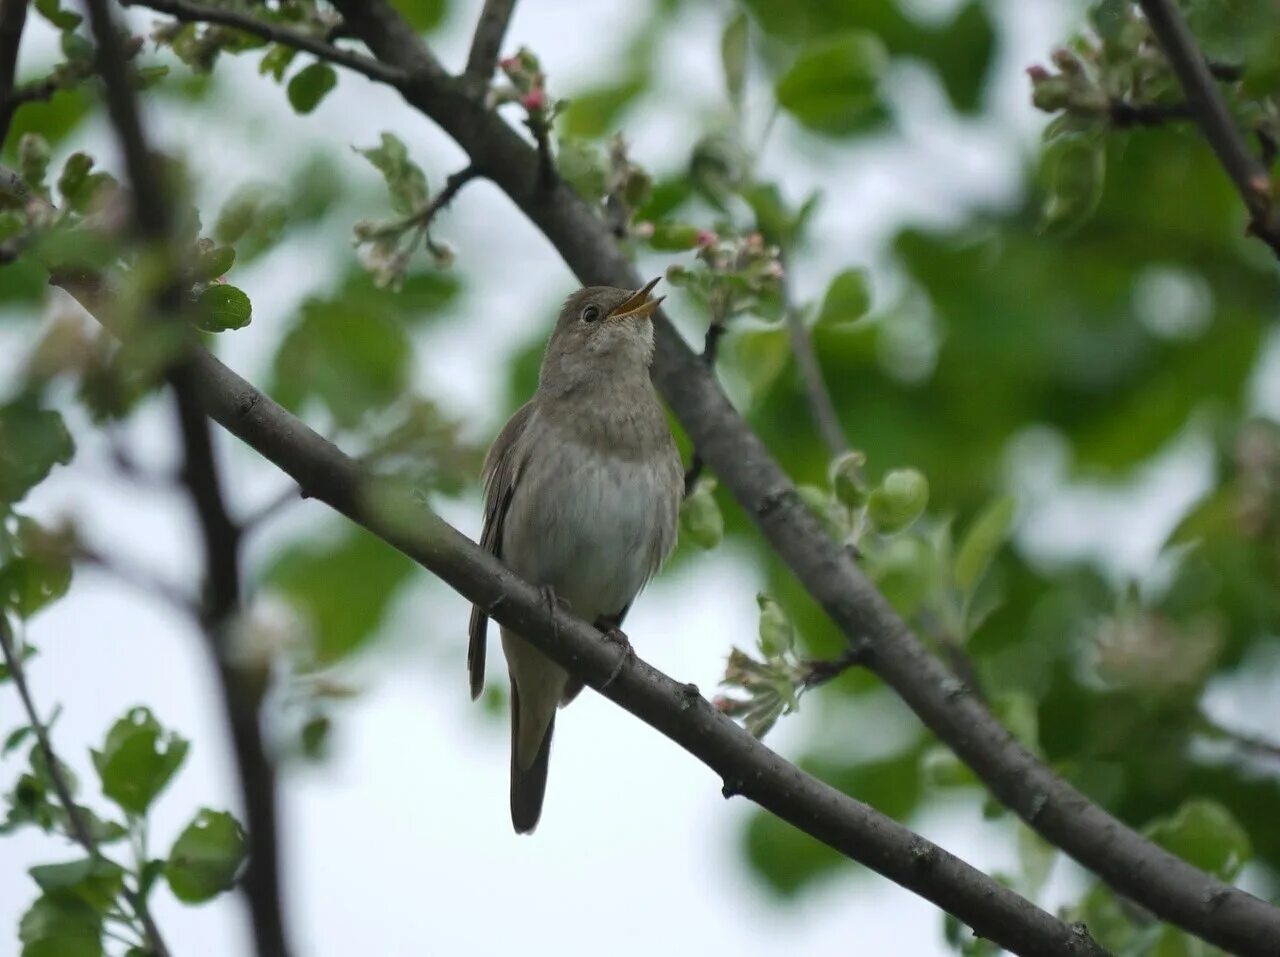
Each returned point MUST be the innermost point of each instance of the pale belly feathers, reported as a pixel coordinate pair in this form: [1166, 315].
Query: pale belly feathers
[593, 527]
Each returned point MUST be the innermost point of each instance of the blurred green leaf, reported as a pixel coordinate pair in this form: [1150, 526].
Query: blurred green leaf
[758, 352]
[311, 85]
[733, 57]
[206, 857]
[898, 500]
[596, 112]
[405, 180]
[32, 441]
[137, 760]
[221, 307]
[94, 880]
[52, 11]
[61, 927]
[847, 300]
[700, 518]
[423, 15]
[981, 542]
[344, 587]
[1072, 171]
[1205, 834]
[834, 84]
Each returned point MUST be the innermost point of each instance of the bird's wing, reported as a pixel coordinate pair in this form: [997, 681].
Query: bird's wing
[501, 472]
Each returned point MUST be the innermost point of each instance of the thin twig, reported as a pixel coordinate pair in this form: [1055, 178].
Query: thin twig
[271, 508]
[138, 578]
[821, 407]
[13, 17]
[242, 692]
[1255, 745]
[710, 349]
[1125, 115]
[1211, 113]
[189, 11]
[80, 830]
[423, 217]
[486, 44]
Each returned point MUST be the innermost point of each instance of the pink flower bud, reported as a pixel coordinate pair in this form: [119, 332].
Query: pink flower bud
[706, 238]
[534, 100]
[1037, 73]
[509, 64]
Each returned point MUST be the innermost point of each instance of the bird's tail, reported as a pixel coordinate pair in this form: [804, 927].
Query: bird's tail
[528, 784]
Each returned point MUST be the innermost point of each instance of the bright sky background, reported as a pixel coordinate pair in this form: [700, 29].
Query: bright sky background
[401, 844]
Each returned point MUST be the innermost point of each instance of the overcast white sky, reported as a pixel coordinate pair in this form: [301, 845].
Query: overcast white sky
[401, 843]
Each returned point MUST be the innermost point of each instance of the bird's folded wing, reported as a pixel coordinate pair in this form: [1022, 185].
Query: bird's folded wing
[501, 472]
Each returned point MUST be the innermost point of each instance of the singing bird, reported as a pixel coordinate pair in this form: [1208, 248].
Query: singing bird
[582, 497]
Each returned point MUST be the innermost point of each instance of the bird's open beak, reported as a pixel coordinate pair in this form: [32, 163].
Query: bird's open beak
[639, 305]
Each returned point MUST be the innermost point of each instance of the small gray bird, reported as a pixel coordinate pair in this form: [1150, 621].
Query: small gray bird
[582, 497]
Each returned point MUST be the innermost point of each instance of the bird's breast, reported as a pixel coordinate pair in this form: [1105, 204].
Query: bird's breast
[592, 525]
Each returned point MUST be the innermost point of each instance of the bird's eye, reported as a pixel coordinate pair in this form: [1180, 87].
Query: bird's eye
[590, 313]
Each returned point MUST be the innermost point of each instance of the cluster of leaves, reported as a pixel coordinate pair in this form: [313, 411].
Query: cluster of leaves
[387, 247]
[1117, 78]
[101, 899]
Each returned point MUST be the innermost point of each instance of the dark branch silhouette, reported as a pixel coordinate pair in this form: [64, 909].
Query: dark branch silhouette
[242, 691]
[1210, 111]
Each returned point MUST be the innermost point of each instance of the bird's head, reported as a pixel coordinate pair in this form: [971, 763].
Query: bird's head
[602, 333]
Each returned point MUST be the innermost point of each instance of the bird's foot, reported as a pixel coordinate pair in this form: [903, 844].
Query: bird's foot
[617, 637]
[553, 601]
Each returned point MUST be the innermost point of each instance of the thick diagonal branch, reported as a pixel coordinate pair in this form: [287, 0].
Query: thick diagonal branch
[746, 766]
[241, 692]
[1136, 867]
[1210, 111]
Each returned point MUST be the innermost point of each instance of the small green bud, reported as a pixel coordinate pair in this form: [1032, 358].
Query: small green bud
[777, 636]
[33, 158]
[1051, 94]
[847, 480]
[700, 517]
[899, 501]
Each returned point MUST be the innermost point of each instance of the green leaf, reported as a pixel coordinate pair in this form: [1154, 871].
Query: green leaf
[980, 543]
[847, 300]
[206, 857]
[52, 11]
[582, 165]
[423, 15]
[597, 112]
[213, 262]
[15, 737]
[276, 61]
[759, 352]
[221, 307]
[29, 583]
[405, 180]
[1204, 833]
[352, 360]
[345, 587]
[310, 85]
[774, 217]
[674, 237]
[701, 521]
[833, 87]
[32, 441]
[733, 57]
[137, 760]
[1072, 174]
[899, 500]
[61, 927]
[94, 880]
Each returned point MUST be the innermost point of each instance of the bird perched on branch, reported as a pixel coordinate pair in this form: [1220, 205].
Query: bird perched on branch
[582, 497]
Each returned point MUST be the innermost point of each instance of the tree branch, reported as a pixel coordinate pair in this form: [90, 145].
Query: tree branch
[242, 692]
[1250, 178]
[487, 43]
[13, 17]
[710, 349]
[821, 407]
[1137, 868]
[746, 766]
[80, 831]
[190, 11]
